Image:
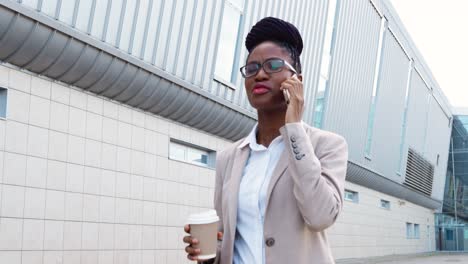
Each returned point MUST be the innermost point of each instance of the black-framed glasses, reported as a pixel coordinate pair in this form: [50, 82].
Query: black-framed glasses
[269, 66]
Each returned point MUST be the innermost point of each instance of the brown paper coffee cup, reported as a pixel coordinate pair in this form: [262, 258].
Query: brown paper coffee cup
[204, 227]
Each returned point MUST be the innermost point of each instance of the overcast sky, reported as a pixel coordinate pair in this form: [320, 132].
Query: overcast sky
[440, 30]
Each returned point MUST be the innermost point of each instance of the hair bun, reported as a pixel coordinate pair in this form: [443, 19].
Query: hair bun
[274, 29]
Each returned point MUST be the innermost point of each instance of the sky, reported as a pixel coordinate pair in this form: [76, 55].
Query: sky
[439, 28]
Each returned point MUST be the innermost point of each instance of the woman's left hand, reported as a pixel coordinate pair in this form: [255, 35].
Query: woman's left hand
[296, 100]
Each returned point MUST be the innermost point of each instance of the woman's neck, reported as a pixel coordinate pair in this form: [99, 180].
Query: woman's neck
[268, 127]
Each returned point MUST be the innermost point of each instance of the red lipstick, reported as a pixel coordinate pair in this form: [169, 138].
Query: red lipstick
[260, 89]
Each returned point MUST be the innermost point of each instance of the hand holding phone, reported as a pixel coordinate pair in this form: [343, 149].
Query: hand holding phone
[287, 97]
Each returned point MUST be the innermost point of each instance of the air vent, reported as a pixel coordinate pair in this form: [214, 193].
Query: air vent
[419, 173]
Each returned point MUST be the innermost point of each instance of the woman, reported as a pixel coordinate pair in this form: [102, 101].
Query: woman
[278, 189]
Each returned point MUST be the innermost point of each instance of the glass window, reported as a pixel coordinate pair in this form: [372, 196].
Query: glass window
[384, 204]
[226, 60]
[351, 196]
[409, 230]
[325, 66]
[3, 102]
[191, 154]
[375, 89]
[449, 234]
[416, 230]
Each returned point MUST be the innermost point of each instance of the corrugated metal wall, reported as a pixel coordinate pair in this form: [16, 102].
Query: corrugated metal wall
[352, 74]
[437, 144]
[390, 108]
[181, 36]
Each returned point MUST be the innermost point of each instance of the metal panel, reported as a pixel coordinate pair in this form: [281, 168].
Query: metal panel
[389, 109]
[437, 144]
[352, 74]
[417, 112]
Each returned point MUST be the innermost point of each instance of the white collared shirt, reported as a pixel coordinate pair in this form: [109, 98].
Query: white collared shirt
[249, 244]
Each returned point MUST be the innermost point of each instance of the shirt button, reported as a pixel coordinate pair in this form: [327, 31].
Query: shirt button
[293, 139]
[270, 242]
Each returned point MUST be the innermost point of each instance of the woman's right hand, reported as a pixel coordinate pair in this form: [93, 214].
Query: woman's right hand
[194, 252]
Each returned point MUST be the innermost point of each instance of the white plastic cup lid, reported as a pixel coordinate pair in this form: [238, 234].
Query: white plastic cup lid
[206, 217]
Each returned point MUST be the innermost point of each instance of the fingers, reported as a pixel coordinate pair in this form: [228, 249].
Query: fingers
[190, 240]
[220, 236]
[192, 251]
[187, 228]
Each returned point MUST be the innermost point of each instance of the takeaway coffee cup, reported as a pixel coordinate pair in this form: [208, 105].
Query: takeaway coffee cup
[204, 227]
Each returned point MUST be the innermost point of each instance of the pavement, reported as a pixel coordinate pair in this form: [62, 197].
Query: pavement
[425, 258]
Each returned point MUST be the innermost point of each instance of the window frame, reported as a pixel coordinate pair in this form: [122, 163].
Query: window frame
[409, 230]
[238, 45]
[386, 202]
[355, 194]
[211, 154]
[3, 98]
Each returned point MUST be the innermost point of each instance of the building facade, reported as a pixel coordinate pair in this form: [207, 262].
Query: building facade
[112, 113]
[452, 222]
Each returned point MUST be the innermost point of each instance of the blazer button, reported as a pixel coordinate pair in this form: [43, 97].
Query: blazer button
[299, 156]
[292, 138]
[270, 242]
[296, 151]
[294, 145]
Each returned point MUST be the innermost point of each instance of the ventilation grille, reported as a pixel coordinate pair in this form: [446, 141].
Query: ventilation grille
[419, 173]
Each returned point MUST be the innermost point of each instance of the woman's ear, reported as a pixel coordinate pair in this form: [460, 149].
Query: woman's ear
[299, 76]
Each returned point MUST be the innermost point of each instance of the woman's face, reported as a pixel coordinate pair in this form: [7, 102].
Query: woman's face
[263, 89]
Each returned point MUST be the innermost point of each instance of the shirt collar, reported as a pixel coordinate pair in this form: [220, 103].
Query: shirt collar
[251, 140]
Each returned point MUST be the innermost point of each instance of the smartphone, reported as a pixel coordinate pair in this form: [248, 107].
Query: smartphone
[286, 95]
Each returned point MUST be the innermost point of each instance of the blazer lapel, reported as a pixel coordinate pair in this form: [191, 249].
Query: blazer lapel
[277, 173]
[240, 160]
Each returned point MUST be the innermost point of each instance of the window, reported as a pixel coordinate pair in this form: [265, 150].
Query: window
[3, 102]
[325, 67]
[416, 230]
[449, 234]
[375, 89]
[227, 61]
[384, 204]
[191, 154]
[351, 196]
[409, 230]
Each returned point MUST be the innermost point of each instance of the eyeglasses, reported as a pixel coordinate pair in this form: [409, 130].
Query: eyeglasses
[269, 66]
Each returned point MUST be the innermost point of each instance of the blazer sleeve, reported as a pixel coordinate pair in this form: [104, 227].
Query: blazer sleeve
[220, 167]
[318, 179]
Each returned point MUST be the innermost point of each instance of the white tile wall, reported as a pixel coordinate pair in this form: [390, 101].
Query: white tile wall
[38, 141]
[59, 114]
[18, 106]
[16, 139]
[72, 235]
[40, 87]
[14, 169]
[39, 112]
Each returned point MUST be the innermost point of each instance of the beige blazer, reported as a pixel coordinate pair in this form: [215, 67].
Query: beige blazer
[304, 197]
